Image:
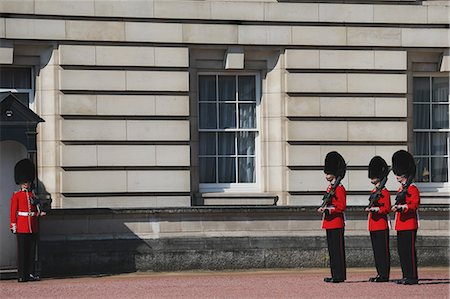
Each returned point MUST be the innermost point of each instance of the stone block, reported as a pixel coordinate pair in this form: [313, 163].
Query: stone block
[6, 55]
[210, 33]
[72, 104]
[124, 56]
[303, 155]
[390, 60]
[93, 130]
[346, 59]
[234, 58]
[275, 180]
[291, 12]
[387, 131]
[308, 180]
[275, 130]
[279, 35]
[361, 36]
[131, 9]
[49, 154]
[346, 13]
[248, 11]
[303, 106]
[125, 105]
[353, 154]
[176, 201]
[301, 59]
[93, 181]
[438, 14]
[64, 7]
[319, 36]
[157, 80]
[157, 130]
[172, 105]
[391, 107]
[35, 29]
[47, 129]
[76, 55]
[92, 80]
[182, 10]
[377, 83]
[171, 57]
[77, 203]
[126, 155]
[425, 37]
[358, 180]
[95, 30]
[306, 82]
[2, 28]
[172, 155]
[127, 202]
[78, 155]
[17, 6]
[347, 106]
[317, 130]
[153, 32]
[400, 14]
[273, 105]
[158, 181]
[386, 151]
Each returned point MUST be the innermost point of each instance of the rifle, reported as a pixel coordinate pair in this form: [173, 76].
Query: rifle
[375, 196]
[400, 198]
[328, 196]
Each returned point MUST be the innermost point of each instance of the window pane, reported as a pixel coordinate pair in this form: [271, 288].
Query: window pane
[440, 116]
[227, 170]
[207, 88]
[227, 116]
[421, 143]
[439, 143]
[247, 170]
[227, 88]
[440, 89]
[247, 116]
[246, 143]
[422, 170]
[421, 89]
[15, 78]
[226, 143]
[439, 169]
[421, 116]
[207, 144]
[207, 170]
[247, 91]
[207, 115]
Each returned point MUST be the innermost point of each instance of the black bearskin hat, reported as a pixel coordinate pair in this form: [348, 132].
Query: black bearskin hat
[24, 171]
[378, 168]
[335, 164]
[403, 163]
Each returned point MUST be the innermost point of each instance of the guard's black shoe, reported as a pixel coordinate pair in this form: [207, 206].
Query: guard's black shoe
[34, 277]
[410, 281]
[333, 280]
[372, 279]
[400, 281]
[22, 279]
[381, 279]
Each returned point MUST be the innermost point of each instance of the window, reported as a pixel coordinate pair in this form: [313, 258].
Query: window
[18, 81]
[228, 131]
[431, 128]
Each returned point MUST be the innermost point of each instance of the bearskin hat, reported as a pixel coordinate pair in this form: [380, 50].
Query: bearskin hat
[403, 163]
[335, 164]
[24, 171]
[378, 168]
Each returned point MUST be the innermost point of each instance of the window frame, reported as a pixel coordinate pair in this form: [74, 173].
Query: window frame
[235, 187]
[433, 186]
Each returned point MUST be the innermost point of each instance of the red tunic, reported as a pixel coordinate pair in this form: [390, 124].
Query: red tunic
[407, 219]
[379, 220]
[23, 215]
[336, 217]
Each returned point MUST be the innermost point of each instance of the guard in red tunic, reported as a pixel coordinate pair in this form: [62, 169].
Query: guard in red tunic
[379, 208]
[406, 216]
[333, 207]
[24, 214]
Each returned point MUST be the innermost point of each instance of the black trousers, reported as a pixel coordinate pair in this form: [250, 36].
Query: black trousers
[336, 250]
[380, 246]
[26, 253]
[406, 244]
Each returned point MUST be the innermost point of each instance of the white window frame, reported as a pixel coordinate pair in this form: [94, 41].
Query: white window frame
[236, 187]
[434, 186]
[32, 102]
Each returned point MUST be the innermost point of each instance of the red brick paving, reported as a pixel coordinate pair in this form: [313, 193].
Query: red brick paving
[306, 283]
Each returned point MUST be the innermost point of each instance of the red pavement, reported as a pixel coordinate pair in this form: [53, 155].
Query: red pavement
[307, 283]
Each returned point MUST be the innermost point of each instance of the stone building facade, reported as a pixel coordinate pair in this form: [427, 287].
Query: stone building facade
[172, 106]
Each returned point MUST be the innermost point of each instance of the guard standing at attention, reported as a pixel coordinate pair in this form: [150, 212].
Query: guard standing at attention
[24, 213]
[378, 223]
[406, 217]
[333, 207]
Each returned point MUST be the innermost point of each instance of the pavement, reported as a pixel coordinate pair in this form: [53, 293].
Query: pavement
[283, 283]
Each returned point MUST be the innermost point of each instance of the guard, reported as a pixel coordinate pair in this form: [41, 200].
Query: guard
[378, 222]
[406, 217]
[24, 213]
[333, 207]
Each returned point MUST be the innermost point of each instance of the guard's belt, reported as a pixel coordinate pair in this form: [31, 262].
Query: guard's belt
[25, 213]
